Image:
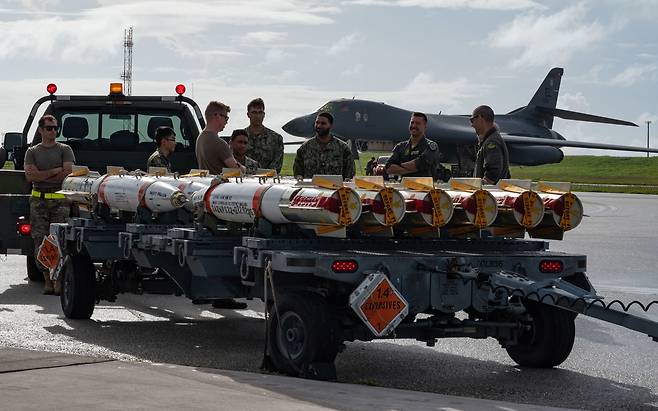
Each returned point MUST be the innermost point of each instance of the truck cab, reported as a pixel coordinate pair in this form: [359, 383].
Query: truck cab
[102, 130]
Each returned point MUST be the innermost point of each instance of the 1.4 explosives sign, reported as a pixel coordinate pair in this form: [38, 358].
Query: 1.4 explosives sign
[379, 304]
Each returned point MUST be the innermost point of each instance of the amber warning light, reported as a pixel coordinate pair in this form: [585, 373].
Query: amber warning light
[51, 88]
[116, 88]
[180, 89]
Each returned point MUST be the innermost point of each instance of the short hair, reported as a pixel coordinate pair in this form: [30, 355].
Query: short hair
[327, 116]
[485, 112]
[42, 120]
[163, 132]
[419, 114]
[256, 103]
[216, 107]
[237, 133]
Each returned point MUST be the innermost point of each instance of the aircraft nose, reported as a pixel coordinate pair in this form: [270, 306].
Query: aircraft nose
[300, 126]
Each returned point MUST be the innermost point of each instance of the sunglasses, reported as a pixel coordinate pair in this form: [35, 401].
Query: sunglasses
[50, 128]
[257, 113]
[172, 139]
[473, 118]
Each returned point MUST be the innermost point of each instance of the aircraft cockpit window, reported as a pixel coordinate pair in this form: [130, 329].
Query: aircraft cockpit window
[329, 108]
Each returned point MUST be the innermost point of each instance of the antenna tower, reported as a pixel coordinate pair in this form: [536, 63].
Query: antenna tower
[127, 75]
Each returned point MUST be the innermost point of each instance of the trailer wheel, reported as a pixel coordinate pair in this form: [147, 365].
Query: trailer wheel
[78, 287]
[33, 271]
[549, 341]
[304, 333]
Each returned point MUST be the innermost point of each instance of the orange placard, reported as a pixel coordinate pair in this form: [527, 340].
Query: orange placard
[49, 253]
[382, 306]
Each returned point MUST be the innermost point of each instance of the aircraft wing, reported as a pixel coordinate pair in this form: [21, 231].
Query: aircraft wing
[511, 139]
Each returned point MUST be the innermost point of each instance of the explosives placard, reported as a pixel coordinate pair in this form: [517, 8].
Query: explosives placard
[379, 304]
[49, 253]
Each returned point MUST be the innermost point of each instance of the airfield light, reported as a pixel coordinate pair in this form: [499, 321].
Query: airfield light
[180, 89]
[51, 88]
[116, 88]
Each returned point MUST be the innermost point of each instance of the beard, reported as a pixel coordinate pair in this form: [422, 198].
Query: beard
[322, 132]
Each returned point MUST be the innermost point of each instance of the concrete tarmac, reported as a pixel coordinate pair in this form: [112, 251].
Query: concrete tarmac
[33, 380]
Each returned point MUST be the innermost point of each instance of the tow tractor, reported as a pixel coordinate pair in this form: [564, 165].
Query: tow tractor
[316, 253]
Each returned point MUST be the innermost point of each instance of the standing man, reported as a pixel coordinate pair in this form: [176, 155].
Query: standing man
[266, 146]
[212, 152]
[165, 138]
[324, 153]
[418, 156]
[46, 166]
[370, 166]
[239, 143]
[492, 158]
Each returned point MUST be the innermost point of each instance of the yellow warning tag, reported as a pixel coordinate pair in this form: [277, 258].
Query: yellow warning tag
[387, 199]
[480, 202]
[437, 214]
[418, 183]
[345, 217]
[458, 185]
[527, 209]
[565, 221]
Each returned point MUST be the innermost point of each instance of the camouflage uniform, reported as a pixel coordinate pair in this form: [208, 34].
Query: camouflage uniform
[44, 211]
[425, 154]
[333, 158]
[158, 159]
[492, 159]
[266, 148]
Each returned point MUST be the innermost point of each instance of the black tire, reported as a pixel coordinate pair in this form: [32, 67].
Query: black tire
[78, 287]
[308, 333]
[549, 341]
[33, 271]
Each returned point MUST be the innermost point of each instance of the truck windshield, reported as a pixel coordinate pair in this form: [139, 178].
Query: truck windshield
[125, 131]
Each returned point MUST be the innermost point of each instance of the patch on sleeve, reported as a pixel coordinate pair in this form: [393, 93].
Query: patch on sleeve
[432, 145]
[491, 146]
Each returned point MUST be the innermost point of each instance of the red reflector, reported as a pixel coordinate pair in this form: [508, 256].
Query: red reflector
[51, 88]
[344, 266]
[25, 229]
[180, 89]
[550, 266]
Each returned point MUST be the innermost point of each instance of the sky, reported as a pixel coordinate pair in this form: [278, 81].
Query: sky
[445, 56]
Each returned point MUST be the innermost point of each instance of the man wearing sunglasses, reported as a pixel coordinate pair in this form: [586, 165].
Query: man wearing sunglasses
[46, 165]
[165, 138]
[265, 145]
[492, 158]
[212, 152]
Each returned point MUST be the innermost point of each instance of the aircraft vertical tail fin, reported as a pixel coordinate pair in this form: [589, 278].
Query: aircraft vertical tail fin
[542, 106]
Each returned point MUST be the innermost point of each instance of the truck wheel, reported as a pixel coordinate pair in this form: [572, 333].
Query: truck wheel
[78, 287]
[549, 341]
[305, 333]
[33, 271]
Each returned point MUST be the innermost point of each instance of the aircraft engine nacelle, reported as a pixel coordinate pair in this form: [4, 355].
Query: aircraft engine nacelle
[527, 155]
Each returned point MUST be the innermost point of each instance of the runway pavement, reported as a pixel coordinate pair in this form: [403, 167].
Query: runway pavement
[609, 368]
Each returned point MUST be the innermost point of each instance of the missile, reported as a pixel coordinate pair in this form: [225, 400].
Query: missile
[385, 205]
[473, 205]
[564, 210]
[127, 192]
[517, 204]
[186, 186]
[77, 185]
[321, 206]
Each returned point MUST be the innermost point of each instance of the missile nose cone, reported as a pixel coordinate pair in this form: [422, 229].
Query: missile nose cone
[300, 126]
[178, 199]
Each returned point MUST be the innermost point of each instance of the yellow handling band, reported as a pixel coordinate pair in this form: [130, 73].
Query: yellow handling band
[565, 221]
[480, 202]
[387, 199]
[527, 209]
[437, 215]
[345, 217]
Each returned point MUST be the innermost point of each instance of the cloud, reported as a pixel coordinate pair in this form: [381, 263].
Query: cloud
[264, 36]
[353, 70]
[541, 40]
[93, 31]
[634, 74]
[342, 44]
[452, 4]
